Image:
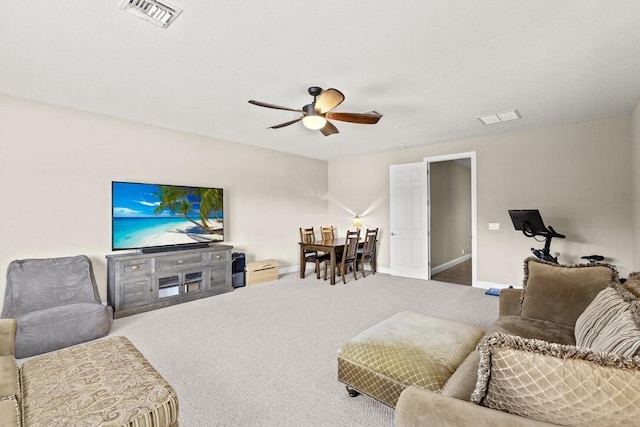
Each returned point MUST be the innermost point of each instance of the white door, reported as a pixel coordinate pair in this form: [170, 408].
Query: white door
[408, 220]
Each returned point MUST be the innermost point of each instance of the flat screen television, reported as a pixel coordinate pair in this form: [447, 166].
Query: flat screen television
[156, 217]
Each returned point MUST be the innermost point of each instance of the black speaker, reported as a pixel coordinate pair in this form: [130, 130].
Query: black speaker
[238, 263]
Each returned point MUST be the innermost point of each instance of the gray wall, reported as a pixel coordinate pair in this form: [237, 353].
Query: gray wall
[578, 175]
[57, 166]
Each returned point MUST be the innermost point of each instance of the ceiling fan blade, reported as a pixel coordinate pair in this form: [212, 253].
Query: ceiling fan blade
[328, 100]
[329, 129]
[361, 118]
[281, 125]
[277, 107]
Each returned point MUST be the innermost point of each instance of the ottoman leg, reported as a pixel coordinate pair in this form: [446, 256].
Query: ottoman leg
[352, 392]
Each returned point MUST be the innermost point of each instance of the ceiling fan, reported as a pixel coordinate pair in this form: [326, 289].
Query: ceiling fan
[315, 115]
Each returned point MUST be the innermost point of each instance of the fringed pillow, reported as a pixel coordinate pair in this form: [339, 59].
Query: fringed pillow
[611, 322]
[560, 293]
[558, 384]
[633, 284]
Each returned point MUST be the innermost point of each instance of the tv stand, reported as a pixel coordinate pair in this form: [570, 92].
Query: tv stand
[139, 282]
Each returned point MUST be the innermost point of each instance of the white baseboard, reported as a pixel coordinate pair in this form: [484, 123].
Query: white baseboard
[386, 270]
[449, 264]
[486, 285]
[290, 269]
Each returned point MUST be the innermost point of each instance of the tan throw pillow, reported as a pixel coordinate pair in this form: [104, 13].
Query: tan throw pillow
[560, 293]
[608, 325]
[558, 384]
[633, 284]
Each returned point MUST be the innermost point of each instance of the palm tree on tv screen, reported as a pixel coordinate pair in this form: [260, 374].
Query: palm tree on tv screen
[181, 200]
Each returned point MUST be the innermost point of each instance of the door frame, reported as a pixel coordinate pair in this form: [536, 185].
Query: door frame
[474, 208]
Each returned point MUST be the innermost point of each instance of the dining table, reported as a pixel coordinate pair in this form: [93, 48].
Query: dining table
[330, 246]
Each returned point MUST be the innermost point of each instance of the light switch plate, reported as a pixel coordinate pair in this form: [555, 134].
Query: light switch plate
[494, 226]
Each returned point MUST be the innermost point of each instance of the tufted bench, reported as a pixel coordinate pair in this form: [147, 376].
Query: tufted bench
[105, 382]
[406, 349]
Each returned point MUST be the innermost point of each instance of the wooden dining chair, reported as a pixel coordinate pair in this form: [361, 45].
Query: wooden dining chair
[307, 235]
[348, 257]
[327, 232]
[368, 251]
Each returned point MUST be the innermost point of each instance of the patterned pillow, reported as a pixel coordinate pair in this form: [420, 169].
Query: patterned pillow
[609, 323]
[560, 293]
[558, 384]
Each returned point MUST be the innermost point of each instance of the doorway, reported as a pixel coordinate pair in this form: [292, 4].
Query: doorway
[451, 201]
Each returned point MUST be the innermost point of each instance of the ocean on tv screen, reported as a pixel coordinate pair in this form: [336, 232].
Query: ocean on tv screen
[131, 232]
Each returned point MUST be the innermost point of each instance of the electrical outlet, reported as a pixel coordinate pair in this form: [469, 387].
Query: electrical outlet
[494, 226]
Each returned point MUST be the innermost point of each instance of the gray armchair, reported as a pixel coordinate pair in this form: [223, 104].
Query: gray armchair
[56, 304]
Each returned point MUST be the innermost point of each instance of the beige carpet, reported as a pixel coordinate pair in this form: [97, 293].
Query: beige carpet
[266, 355]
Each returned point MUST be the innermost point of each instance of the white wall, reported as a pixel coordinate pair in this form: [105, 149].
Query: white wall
[578, 175]
[57, 166]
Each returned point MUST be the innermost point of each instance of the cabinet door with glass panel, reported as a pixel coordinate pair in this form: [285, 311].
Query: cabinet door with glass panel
[180, 284]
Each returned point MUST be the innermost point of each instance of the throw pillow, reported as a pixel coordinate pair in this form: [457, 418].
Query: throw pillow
[560, 293]
[608, 324]
[633, 284]
[558, 384]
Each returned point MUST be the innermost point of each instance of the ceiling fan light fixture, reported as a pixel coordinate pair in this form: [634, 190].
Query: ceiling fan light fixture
[312, 120]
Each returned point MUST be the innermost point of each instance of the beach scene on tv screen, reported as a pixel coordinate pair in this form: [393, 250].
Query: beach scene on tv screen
[147, 215]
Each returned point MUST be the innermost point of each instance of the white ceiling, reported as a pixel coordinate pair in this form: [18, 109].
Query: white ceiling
[429, 66]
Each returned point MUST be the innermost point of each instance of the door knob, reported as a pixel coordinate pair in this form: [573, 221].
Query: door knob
[393, 234]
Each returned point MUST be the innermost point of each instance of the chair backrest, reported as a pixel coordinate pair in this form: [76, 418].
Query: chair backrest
[351, 246]
[327, 232]
[369, 245]
[307, 235]
[37, 284]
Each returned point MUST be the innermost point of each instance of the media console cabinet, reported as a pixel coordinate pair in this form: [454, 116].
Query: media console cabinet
[138, 282]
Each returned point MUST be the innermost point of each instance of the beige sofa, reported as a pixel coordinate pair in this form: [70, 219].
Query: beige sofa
[564, 351]
[103, 382]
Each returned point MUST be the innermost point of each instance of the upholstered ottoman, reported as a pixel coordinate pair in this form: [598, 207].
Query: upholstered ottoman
[406, 349]
[101, 383]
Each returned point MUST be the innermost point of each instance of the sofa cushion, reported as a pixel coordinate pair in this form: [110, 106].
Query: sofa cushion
[9, 377]
[608, 324]
[10, 412]
[527, 327]
[559, 384]
[560, 293]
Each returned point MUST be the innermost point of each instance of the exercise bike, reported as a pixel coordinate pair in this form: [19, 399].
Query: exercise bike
[530, 223]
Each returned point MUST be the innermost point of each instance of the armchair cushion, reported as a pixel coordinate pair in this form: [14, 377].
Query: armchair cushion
[560, 293]
[60, 326]
[38, 284]
[555, 383]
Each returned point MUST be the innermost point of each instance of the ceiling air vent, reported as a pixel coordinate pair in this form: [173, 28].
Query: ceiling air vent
[505, 116]
[152, 11]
